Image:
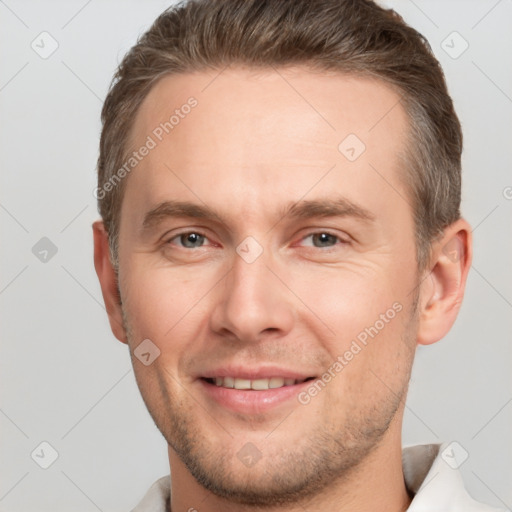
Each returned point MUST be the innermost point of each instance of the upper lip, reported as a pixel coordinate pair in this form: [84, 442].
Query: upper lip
[260, 372]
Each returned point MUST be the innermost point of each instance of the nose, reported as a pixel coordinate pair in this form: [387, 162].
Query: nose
[252, 302]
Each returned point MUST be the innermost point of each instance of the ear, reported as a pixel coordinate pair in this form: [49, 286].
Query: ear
[442, 289]
[108, 281]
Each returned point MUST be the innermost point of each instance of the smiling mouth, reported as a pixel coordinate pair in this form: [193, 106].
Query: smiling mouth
[254, 384]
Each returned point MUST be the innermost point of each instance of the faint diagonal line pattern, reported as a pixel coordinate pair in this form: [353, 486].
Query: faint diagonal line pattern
[491, 285]
[389, 184]
[492, 81]
[82, 81]
[385, 114]
[85, 494]
[102, 306]
[184, 184]
[214, 78]
[83, 287]
[508, 507]
[280, 423]
[74, 218]
[486, 14]
[96, 404]
[14, 76]
[420, 420]
[485, 218]
[76, 14]
[14, 486]
[13, 279]
[424, 13]
[14, 423]
[14, 218]
[479, 94]
[492, 417]
[417, 285]
[13, 13]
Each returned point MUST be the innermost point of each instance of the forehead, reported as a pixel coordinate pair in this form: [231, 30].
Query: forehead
[328, 104]
[264, 134]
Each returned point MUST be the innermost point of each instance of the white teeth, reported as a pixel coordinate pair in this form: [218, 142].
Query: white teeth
[256, 384]
[260, 384]
[276, 382]
[242, 384]
[229, 382]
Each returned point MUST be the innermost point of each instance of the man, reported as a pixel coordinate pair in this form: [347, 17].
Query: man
[279, 186]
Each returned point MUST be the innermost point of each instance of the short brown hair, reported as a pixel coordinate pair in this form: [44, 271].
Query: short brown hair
[350, 36]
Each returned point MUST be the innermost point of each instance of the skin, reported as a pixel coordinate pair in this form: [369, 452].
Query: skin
[257, 142]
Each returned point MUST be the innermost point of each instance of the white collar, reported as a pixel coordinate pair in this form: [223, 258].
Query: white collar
[431, 473]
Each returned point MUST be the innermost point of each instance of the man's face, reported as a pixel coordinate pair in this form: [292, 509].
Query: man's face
[310, 257]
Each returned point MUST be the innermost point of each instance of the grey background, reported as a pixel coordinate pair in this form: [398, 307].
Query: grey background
[64, 379]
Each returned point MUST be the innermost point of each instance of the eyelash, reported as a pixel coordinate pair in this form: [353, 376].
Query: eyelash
[339, 240]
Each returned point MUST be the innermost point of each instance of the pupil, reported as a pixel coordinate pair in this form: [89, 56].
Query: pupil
[192, 239]
[324, 238]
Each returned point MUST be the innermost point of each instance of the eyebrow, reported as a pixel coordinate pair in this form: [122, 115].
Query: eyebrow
[170, 209]
[336, 207]
[303, 209]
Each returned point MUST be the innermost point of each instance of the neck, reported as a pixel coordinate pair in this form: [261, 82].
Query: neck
[376, 484]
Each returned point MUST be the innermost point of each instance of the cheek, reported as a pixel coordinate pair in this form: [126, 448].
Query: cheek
[371, 361]
[157, 298]
[163, 306]
[364, 322]
[348, 300]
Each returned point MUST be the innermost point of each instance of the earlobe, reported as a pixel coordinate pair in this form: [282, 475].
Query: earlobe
[442, 291]
[108, 281]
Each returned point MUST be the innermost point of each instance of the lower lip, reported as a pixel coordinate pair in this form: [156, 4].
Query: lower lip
[249, 401]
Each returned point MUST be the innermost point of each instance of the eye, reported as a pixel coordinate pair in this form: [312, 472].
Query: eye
[323, 239]
[189, 240]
